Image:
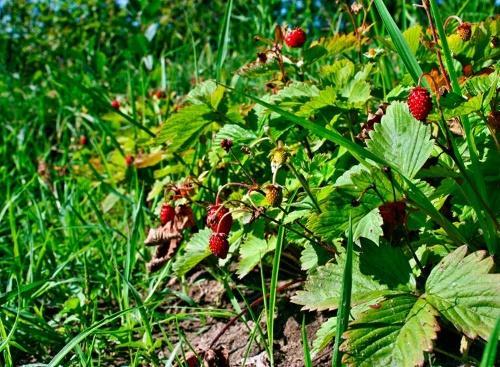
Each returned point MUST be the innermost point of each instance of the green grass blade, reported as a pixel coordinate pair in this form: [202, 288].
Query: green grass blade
[80, 337]
[305, 344]
[490, 351]
[345, 305]
[469, 135]
[274, 282]
[224, 39]
[399, 42]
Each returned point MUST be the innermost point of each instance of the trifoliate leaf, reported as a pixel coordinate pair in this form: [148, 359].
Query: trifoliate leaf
[401, 139]
[397, 333]
[462, 290]
[195, 251]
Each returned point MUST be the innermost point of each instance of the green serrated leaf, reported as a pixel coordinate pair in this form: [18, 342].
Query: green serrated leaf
[401, 139]
[322, 288]
[180, 129]
[462, 290]
[202, 92]
[386, 264]
[412, 36]
[370, 227]
[237, 134]
[313, 255]
[324, 335]
[196, 250]
[252, 250]
[395, 334]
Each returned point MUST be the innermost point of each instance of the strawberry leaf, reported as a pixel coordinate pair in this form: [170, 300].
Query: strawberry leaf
[252, 250]
[401, 140]
[395, 334]
[322, 288]
[195, 251]
[462, 290]
[181, 129]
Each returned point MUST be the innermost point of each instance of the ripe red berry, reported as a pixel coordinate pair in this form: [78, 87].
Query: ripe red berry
[393, 215]
[464, 30]
[494, 120]
[420, 103]
[226, 144]
[295, 38]
[218, 219]
[160, 94]
[115, 104]
[83, 140]
[167, 213]
[219, 245]
[129, 159]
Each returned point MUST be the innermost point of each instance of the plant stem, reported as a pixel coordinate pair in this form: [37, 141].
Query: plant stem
[425, 5]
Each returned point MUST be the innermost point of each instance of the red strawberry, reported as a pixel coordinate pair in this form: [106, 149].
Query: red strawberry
[226, 144]
[83, 140]
[217, 220]
[393, 214]
[464, 30]
[167, 213]
[160, 94]
[295, 38]
[129, 159]
[219, 245]
[420, 103]
[115, 104]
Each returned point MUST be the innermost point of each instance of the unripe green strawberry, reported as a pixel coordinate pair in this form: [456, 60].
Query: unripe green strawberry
[279, 156]
[464, 30]
[420, 103]
[219, 245]
[274, 195]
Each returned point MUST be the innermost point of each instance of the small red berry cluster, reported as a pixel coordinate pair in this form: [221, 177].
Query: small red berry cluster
[219, 220]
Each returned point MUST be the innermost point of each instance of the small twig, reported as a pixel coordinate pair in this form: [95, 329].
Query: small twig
[242, 167]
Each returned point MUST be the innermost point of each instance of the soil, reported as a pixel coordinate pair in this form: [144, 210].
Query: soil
[288, 350]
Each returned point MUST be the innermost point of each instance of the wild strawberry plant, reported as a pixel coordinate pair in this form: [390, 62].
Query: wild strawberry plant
[348, 175]
[332, 148]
